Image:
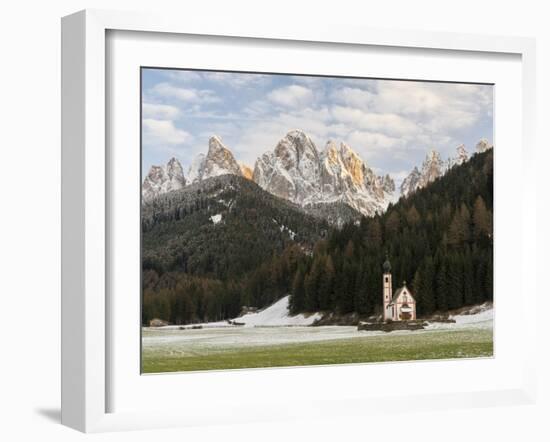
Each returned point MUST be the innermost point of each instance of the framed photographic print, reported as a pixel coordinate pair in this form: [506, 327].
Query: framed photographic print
[282, 251]
[249, 213]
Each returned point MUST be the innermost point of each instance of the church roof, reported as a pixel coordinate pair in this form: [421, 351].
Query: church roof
[399, 291]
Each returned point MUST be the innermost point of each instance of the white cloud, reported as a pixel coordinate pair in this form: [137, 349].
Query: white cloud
[291, 96]
[388, 123]
[353, 97]
[188, 95]
[160, 111]
[237, 80]
[182, 76]
[163, 132]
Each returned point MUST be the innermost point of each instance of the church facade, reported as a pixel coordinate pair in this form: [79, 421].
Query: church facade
[398, 306]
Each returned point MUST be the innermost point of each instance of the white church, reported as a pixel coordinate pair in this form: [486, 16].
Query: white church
[398, 306]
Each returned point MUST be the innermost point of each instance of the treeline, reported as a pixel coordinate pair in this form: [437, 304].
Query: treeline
[439, 240]
[178, 234]
[180, 298]
[183, 298]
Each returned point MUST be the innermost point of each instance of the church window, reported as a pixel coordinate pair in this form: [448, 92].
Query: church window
[387, 279]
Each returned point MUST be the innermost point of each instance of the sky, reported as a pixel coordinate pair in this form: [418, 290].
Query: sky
[391, 124]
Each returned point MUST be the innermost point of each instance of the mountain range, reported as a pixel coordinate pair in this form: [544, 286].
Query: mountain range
[434, 167]
[334, 181]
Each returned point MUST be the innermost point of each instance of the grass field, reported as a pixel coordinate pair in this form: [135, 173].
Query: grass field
[194, 350]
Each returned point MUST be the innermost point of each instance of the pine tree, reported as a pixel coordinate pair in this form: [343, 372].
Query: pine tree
[455, 272]
[326, 285]
[413, 217]
[468, 280]
[392, 224]
[297, 299]
[442, 286]
[482, 219]
[428, 293]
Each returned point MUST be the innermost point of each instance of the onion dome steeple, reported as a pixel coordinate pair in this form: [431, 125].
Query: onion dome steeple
[387, 266]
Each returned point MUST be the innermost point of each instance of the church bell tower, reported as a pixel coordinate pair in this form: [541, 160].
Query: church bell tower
[387, 290]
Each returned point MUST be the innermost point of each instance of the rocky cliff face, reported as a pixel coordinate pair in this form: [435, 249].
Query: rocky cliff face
[246, 171]
[433, 167]
[218, 161]
[483, 145]
[292, 170]
[460, 157]
[296, 171]
[162, 179]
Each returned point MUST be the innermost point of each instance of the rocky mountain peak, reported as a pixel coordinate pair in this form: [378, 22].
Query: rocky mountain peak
[162, 179]
[460, 157]
[246, 171]
[432, 168]
[483, 145]
[218, 161]
[297, 171]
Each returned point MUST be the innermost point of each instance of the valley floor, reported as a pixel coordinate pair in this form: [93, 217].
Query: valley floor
[169, 349]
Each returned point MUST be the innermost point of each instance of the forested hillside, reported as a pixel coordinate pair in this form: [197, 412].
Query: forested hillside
[439, 240]
[210, 248]
[214, 246]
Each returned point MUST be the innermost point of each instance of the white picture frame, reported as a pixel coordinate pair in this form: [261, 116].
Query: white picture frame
[86, 212]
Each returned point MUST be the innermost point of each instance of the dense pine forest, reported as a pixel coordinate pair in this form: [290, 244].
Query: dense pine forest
[439, 240]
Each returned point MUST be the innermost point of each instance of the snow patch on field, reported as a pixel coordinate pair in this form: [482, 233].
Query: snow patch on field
[482, 319]
[277, 315]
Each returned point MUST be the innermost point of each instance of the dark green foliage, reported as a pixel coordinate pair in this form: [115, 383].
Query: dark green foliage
[439, 240]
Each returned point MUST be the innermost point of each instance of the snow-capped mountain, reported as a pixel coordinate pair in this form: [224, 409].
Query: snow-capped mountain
[292, 170]
[218, 161]
[432, 168]
[461, 157]
[483, 145]
[162, 179]
[298, 172]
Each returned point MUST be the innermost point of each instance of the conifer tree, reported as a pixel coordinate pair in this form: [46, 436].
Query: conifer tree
[442, 286]
[468, 280]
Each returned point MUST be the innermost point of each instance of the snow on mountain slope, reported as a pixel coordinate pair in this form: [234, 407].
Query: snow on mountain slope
[461, 157]
[277, 314]
[162, 179]
[218, 161]
[483, 145]
[433, 167]
[297, 171]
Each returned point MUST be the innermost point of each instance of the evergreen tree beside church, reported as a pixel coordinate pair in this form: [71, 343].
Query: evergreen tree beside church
[440, 238]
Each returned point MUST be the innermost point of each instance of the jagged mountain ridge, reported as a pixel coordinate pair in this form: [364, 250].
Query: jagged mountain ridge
[218, 161]
[297, 171]
[163, 179]
[318, 181]
[434, 167]
[212, 227]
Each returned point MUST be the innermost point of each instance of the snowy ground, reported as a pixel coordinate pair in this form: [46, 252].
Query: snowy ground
[276, 315]
[483, 319]
[274, 326]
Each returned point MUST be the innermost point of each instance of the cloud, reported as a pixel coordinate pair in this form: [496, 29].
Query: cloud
[160, 111]
[188, 95]
[388, 123]
[163, 132]
[393, 122]
[237, 80]
[291, 96]
[353, 97]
